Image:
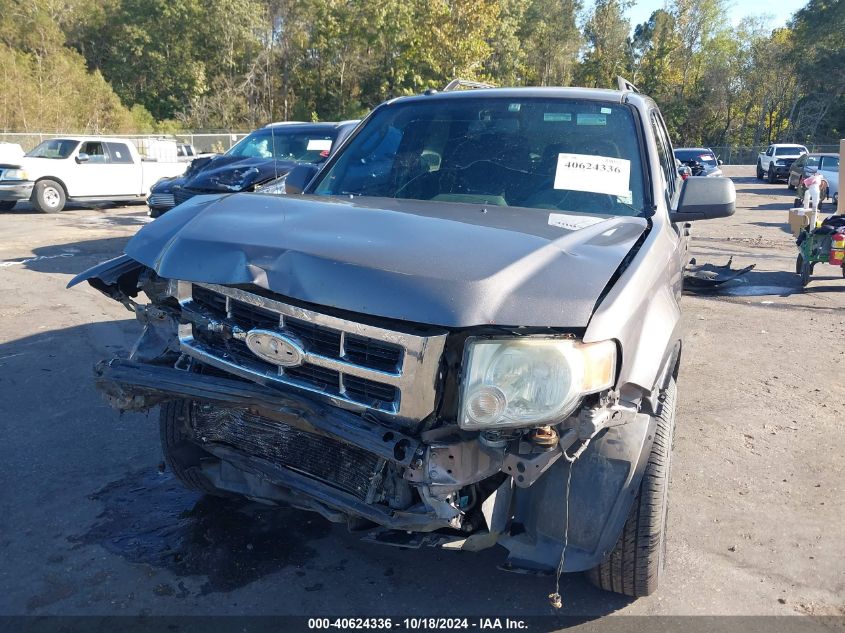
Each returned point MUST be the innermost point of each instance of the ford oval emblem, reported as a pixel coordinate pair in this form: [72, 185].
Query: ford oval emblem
[275, 348]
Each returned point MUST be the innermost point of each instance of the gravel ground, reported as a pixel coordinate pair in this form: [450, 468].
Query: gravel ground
[90, 526]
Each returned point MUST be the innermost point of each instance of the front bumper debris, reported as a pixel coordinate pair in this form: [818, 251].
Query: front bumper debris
[279, 446]
[16, 191]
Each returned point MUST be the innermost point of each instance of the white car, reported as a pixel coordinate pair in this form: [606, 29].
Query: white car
[10, 152]
[88, 169]
[774, 163]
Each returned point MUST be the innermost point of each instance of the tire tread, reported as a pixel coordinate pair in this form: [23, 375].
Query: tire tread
[634, 566]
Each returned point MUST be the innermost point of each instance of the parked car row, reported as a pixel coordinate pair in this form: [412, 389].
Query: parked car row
[793, 163]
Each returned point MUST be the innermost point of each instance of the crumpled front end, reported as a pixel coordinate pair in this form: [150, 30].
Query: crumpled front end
[356, 418]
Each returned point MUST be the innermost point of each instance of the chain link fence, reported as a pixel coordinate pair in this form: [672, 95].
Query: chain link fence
[221, 141]
[747, 155]
[202, 142]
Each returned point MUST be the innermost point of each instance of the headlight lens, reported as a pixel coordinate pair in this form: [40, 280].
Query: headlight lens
[530, 381]
[274, 186]
[15, 174]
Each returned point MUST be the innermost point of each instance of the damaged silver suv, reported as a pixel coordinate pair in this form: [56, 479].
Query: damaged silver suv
[462, 330]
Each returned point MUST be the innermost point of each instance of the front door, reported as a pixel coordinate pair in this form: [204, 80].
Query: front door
[88, 175]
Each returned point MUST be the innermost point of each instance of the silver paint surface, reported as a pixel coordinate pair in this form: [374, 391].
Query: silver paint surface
[452, 265]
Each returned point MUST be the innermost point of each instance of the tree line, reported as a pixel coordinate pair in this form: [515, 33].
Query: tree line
[162, 65]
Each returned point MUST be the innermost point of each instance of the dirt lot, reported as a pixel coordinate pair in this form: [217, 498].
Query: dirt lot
[90, 526]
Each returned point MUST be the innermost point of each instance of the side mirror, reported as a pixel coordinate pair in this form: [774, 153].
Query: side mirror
[704, 198]
[83, 157]
[720, 161]
[299, 177]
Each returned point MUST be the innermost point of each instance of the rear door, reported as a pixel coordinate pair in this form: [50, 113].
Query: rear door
[124, 172]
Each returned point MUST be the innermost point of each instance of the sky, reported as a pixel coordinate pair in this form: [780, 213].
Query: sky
[779, 10]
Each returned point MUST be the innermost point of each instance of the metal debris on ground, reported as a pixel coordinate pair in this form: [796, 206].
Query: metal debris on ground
[710, 277]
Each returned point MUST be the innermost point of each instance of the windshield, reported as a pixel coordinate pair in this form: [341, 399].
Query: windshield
[54, 148]
[535, 152]
[282, 143]
[702, 157]
[790, 151]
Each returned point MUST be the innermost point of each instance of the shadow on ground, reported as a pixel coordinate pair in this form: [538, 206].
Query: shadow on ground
[25, 208]
[71, 258]
[783, 226]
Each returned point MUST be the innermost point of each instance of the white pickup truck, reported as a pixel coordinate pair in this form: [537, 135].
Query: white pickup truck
[85, 169]
[775, 162]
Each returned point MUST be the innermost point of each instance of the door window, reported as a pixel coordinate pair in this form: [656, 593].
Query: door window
[830, 163]
[95, 150]
[119, 153]
[667, 158]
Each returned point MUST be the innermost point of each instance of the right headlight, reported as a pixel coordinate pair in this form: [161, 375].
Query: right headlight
[15, 174]
[276, 187]
[520, 382]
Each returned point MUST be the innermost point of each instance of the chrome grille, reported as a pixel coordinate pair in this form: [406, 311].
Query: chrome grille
[181, 194]
[352, 364]
[161, 200]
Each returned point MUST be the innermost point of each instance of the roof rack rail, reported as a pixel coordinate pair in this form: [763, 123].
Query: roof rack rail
[625, 85]
[458, 84]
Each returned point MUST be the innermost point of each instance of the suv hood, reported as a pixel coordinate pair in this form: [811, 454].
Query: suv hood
[225, 174]
[453, 265]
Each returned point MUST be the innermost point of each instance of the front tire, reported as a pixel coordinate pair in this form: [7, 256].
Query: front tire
[48, 196]
[180, 453]
[772, 176]
[635, 565]
[759, 171]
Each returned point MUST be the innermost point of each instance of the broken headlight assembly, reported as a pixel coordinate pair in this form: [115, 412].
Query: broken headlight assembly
[521, 382]
[275, 187]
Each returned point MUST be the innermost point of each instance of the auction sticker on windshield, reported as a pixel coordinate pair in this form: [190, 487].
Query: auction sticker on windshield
[593, 174]
[573, 222]
[319, 144]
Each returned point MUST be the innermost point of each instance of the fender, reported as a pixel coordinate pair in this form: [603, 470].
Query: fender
[56, 180]
[604, 483]
[642, 312]
[116, 278]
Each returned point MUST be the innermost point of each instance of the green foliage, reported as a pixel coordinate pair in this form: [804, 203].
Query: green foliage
[608, 48]
[160, 66]
[46, 86]
[550, 42]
